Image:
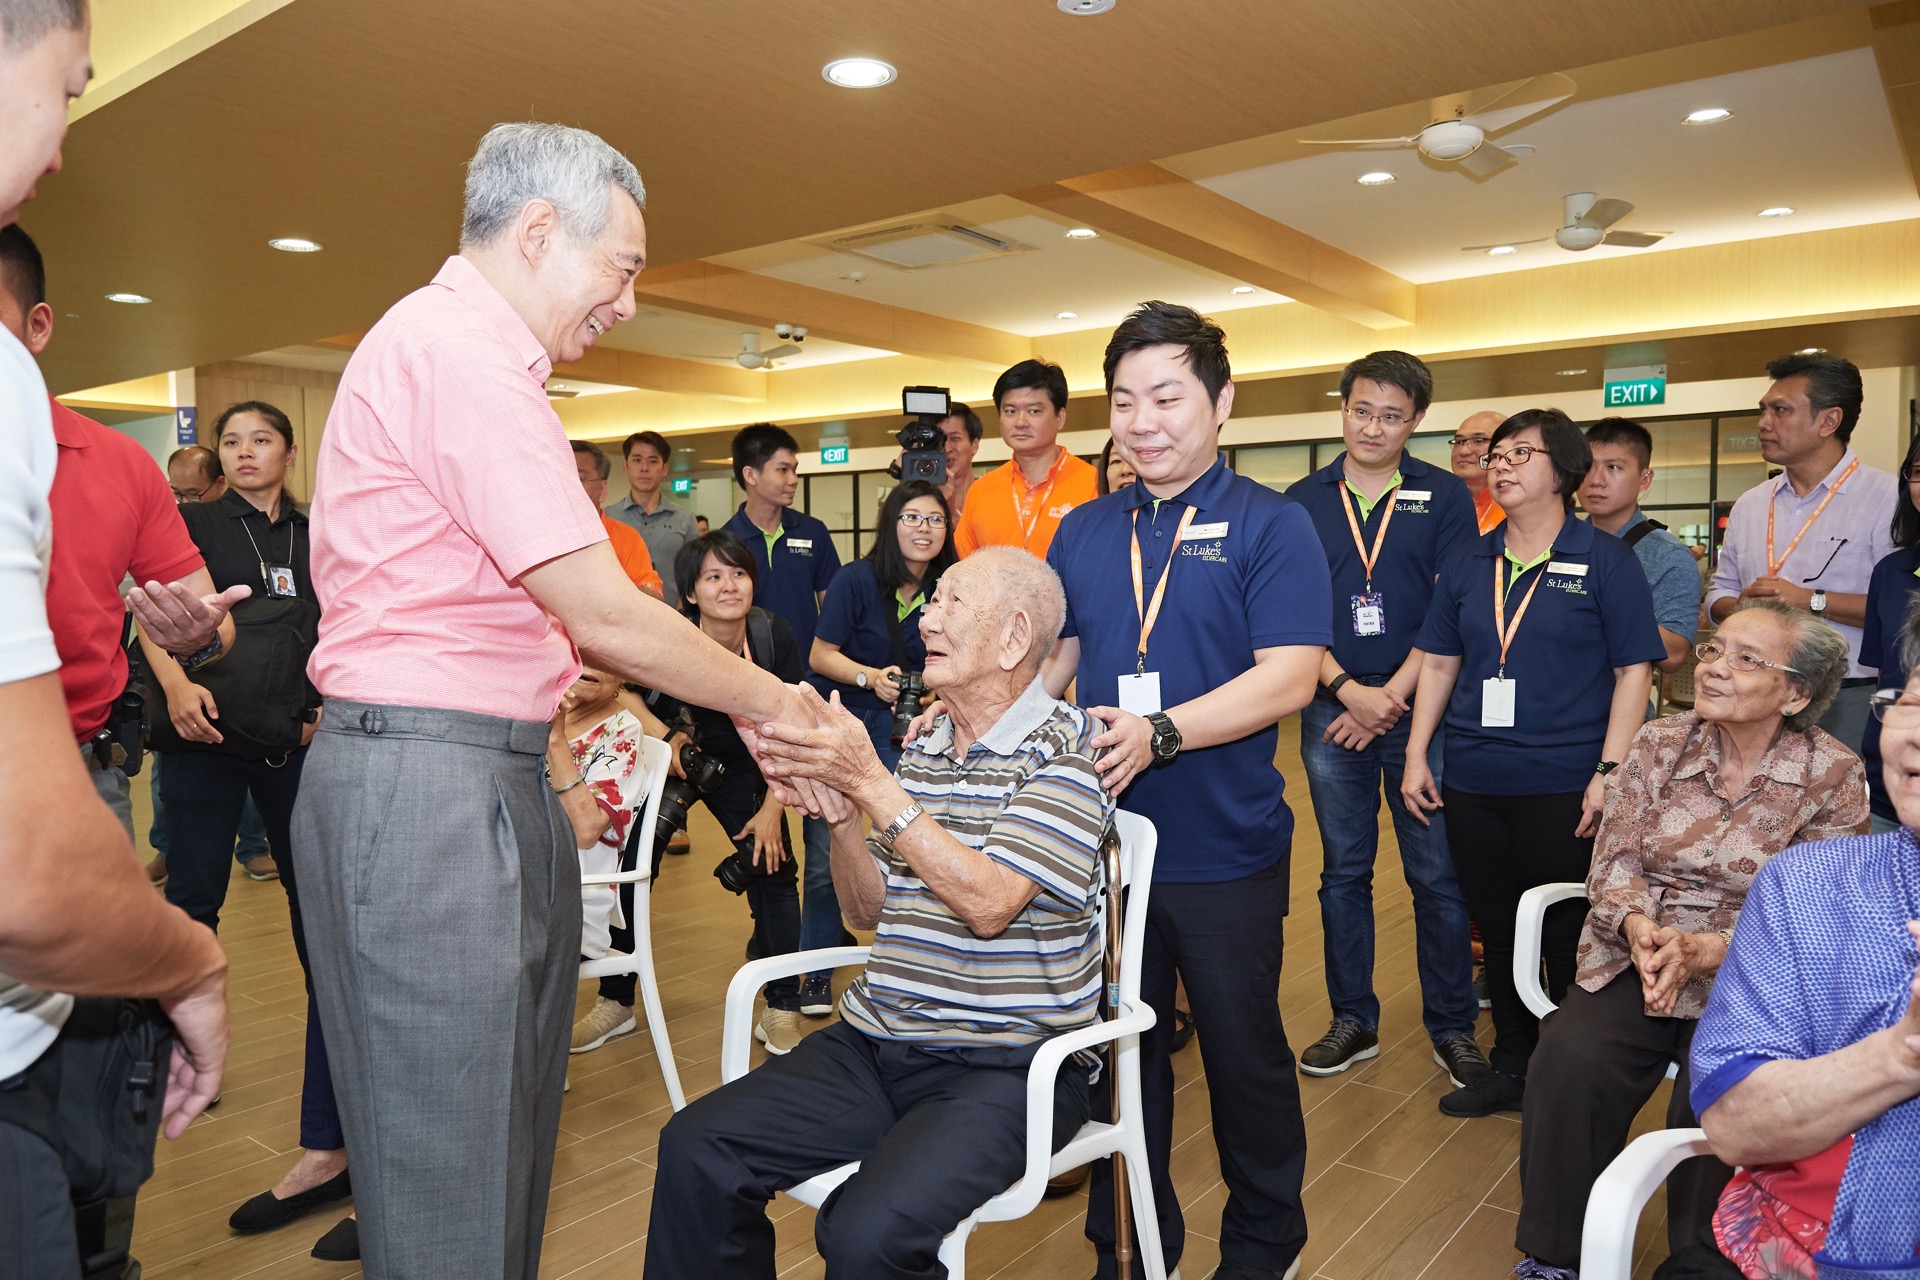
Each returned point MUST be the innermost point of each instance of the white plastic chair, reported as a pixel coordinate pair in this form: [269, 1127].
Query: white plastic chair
[1096, 1139]
[1527, 925]
[654, 756]
[1620, 1193]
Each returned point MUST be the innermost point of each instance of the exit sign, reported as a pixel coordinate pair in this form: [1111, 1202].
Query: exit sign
[1630, 388]
[683, 485]
[833, 455]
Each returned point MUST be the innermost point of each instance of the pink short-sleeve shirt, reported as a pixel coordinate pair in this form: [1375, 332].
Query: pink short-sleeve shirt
[443, 476]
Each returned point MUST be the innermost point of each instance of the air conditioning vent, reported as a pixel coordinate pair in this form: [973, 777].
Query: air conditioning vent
[917, 246]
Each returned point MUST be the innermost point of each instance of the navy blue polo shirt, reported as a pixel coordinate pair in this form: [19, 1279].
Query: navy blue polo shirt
[1249, 575]
[1592, 613]
[804, 561]
[855, 618]
[1432, 515]
[1889, 591]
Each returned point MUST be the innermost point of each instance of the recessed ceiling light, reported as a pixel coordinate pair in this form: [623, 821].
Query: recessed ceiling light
[132, 299]
[859, 73]
[1084, 8]
[1378, 178]
[557, 386]
[1708, 115]
[1067, 315]
[294, 244]
[1082, 233]
[1778, 211]
[1811, 351]
[1501, 251]
[1333, 393]
[1243, 288]
[1569, 373]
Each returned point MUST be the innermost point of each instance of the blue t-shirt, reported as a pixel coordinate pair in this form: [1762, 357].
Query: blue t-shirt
[1673, 576]
[1249, 575]
[1592, 613]
[1432, 515]
[804, 562]
[1889, 591]
[855, 618]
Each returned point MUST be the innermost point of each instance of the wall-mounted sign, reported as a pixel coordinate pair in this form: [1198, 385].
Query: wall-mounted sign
[1640, 385]
[186, 426]
[683, 485]
[833, 455]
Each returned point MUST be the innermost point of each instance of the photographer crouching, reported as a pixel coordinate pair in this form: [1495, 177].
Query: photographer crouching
[982, 882]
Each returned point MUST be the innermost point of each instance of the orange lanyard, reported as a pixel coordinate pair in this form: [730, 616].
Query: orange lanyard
[1037, 505]
[1368, 559]
[1500, 627]
[1149, 616]
[1774, 566]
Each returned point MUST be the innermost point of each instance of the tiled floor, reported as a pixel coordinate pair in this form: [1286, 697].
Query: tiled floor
[1395, 1191]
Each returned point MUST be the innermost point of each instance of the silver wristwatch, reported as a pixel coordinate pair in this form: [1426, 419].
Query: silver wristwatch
[1818, 604]
[901, 823]
[860, 677]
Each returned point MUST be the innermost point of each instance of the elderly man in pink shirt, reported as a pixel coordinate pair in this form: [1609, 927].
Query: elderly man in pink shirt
[464, 574]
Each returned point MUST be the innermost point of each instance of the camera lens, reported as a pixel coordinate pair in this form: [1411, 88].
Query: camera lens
[737, 871]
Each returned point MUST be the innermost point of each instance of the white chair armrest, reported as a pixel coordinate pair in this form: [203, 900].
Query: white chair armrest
[618, 877]
[1527, 924]
[736, 1035]
[1619, 1194]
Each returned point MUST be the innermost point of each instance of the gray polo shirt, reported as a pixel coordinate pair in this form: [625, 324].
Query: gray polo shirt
[664, 531]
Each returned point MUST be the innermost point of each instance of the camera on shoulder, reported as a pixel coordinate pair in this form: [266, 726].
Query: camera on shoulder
[923, 445]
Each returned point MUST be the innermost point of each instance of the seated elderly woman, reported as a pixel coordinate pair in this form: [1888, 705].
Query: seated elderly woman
[981, 880]
[1701, 804]
[1806, 1066]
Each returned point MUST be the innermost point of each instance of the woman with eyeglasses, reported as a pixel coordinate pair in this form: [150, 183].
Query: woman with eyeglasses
[1890, 594]
[1703, 801]
[1540, 642]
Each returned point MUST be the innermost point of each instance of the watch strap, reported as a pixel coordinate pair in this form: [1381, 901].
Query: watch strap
[1333, 686]
[901, 822]
[1606, 767]
[202, 656]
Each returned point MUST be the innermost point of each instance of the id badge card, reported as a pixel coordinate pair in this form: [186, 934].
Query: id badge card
[1369, 614]
[1140, 694]
[280, 582]
[1496, 703]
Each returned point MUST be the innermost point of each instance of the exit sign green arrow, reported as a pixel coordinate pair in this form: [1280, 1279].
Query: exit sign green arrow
[832, 455]
[1633, 387]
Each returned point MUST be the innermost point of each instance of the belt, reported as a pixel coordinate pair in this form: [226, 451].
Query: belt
[470, 728]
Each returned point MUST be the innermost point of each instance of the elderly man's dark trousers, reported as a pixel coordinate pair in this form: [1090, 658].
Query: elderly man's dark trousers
[938, 1134]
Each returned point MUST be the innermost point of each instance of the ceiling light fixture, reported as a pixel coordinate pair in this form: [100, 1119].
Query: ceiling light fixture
[1708, 115]
[1811, 351]
[294, 244]
[1778, 211]
[1084, 8]
[1067, 315]
[1501, 251]
[1378, 178]
[1333, 393]
[1243, 288]
[1569, 373]
[859, 73]
[1082, 233]
[131, 299]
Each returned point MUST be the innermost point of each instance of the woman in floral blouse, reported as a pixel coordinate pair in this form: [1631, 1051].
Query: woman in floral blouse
[1701, 803]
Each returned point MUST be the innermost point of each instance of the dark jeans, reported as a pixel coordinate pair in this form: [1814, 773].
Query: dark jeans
[1502, 847]
[938, 1133]
[1345, 786]
[1600, 1058]
[1226, 940]
[205, 793]
[774, 899]
[820, 924]
[253, 829]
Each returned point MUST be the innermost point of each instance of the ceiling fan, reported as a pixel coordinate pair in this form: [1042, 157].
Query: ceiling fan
[1455, 127]
[1587, 218]
[750, 356]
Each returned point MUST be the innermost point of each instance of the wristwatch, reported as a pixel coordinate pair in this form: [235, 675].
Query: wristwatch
[1818, 604]
[1333, 686]
[202, 656]
[1166, 737]
[1606, 767]
[860, 677]
[900, 823]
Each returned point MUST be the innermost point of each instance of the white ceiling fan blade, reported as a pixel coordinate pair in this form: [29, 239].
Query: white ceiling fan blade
[781, 352]
[1528, 98]
[1487, 159]
[1635, 239]
[1504, 244]
[1604, 213]
[1360, 142]
[696, 355]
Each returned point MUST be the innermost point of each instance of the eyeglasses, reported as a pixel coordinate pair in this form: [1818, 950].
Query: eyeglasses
[1708, 651]
[1514, 457]
[1892, 706]
[181, 497]
[1478, 442]
[1389, 420]
[913, 520]
[1910, 474]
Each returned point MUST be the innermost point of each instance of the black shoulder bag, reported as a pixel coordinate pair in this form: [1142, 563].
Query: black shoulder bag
[1641, 530]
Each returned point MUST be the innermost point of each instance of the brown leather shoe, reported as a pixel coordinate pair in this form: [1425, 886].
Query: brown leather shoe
[1069, 1182]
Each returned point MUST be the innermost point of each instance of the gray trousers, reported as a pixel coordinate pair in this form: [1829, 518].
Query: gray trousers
[442, 902]
[114, 789]
[1847, 718]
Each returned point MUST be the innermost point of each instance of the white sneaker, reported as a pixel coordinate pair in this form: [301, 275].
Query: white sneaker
[779, 1030]
[607, 1019]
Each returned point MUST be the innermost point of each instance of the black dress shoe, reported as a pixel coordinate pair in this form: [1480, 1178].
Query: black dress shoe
[342, 1244]
[266, 1211]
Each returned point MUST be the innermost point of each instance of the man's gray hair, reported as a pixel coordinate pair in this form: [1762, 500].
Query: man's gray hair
[1025, 581]
[1818, 654]
[602, 465]
[25, 23]
[571, 169]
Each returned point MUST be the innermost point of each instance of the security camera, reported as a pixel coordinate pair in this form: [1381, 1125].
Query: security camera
[783, 331]
[799, 333]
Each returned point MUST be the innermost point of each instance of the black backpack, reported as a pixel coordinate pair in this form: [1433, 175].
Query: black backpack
[260, 689]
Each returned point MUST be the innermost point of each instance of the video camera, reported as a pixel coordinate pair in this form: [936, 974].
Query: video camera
[923, 445]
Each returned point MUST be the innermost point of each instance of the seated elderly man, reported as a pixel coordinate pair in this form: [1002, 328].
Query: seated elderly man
[982, 882]
[1702, 803]
[1806, 1066]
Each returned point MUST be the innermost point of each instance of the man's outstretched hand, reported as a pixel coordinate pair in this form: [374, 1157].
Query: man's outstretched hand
[176, 619]
[801, 793]
[832, 748]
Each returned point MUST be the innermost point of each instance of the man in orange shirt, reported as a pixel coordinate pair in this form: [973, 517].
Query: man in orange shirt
[1469, 444]
[631, 549]
[1019, 503]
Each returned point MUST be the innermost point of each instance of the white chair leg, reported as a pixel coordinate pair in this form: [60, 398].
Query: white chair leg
[953, 1250]
[650, 991]
[1149, 1259]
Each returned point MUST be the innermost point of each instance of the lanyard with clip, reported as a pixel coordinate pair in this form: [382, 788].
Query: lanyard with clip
[1149, 615]
[1774, 566]
[1500, 627]
[1031, 509]
[258, 555]
[1368, 559]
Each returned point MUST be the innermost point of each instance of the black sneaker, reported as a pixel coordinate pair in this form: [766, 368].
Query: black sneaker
[1495, 1091]
[816, 995]
[1344, 1044]
[1480, 991]
[1462, 1059]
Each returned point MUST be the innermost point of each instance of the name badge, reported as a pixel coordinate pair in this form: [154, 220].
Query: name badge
[1140, 694]
[280, 582]
[1566, 566]
[1201, 532]
[1496, 703]
[1369, 614]
[800, 544]
[1414, 495]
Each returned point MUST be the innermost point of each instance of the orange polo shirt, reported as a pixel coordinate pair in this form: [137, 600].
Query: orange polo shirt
[1003, 510]
[634, 556]
[1487, 510]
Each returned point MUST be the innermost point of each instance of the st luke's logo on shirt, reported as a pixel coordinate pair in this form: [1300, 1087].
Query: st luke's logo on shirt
[1412, 501]
[1205, 542]
[1567, 577]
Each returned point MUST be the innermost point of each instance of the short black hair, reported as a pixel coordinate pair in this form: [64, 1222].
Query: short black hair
[1100, 484]
[23, 273]
[652, 439]
[25, 23]
[725, 547]
[1906, 517]
[1391, 369]
[1164, 324]
[969, 419]
[1833, 382]
[1034, 375]
[1566, 447]
[1627, 432]
[276, 418]
[207, 460]
[755, 446]
[889, 565]
[602, 467]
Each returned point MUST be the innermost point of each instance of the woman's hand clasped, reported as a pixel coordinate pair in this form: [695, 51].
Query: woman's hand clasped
[192, 710]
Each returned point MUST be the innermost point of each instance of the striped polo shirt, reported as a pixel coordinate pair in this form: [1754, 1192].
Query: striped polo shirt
[1025, 795]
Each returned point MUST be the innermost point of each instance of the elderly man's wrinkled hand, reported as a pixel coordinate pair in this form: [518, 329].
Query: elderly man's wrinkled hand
[176, 619]
[835, 752]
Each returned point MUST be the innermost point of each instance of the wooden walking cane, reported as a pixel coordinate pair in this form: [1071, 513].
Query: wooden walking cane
[1122, 1206]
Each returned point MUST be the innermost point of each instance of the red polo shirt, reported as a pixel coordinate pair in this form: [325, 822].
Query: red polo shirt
[113, 514]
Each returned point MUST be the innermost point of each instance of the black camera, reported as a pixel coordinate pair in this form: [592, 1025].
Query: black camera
[703, 775]
[737, 871]
[923, 445]
[906, 707]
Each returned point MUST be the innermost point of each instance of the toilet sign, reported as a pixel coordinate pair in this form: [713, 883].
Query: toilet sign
[186, 426]
[1631, 388]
